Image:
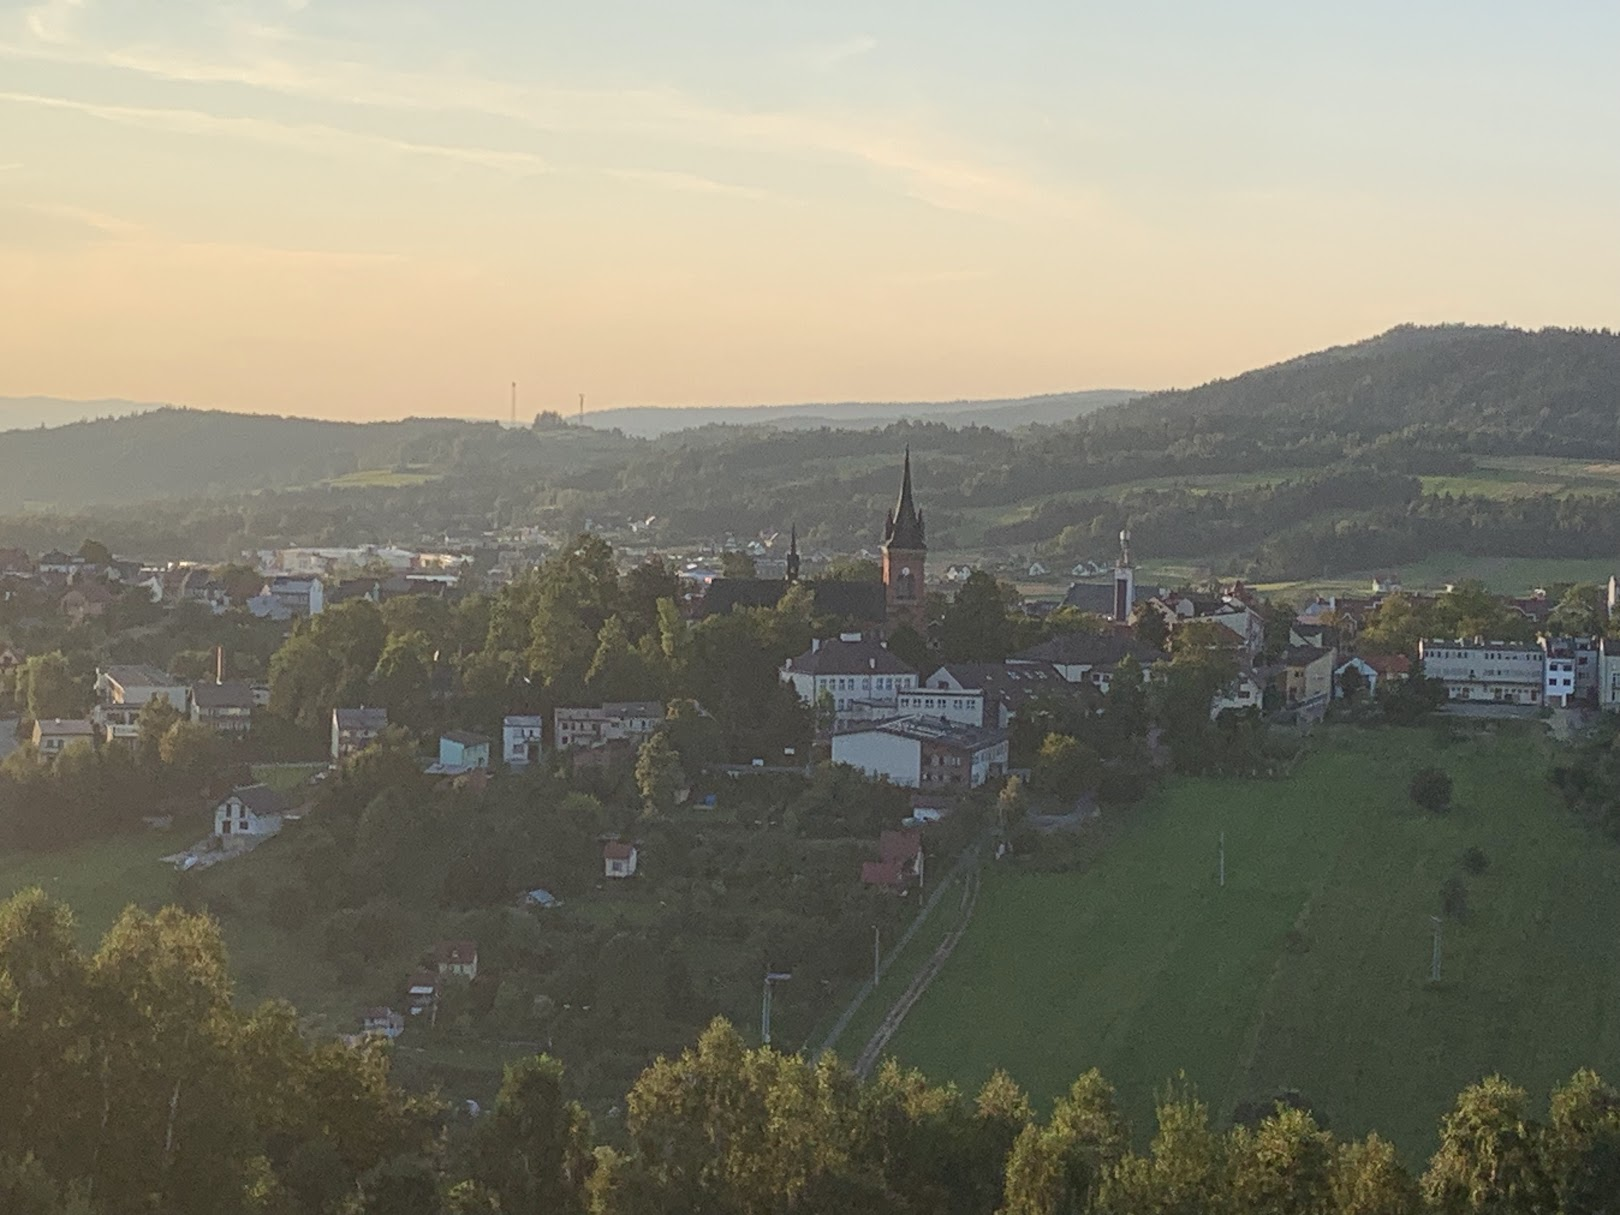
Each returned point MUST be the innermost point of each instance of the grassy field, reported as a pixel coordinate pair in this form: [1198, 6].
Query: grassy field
[291, 779]
[1310, 969]
[385, 478]
[99, 879]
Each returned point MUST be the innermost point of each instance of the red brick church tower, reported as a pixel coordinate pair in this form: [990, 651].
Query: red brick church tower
[904, 552]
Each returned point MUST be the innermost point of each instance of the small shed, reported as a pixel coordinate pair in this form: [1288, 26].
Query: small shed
[619, 860]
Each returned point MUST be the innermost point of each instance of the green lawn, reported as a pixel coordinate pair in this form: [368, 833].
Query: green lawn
[385, 478]
[287, 778]
[99, 879]
[1309, 970]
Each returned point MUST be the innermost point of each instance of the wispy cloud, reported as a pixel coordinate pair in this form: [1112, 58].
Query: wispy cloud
[311, 137]
[10, 166]
[53, 20]
[97, 221]
[910, 157]
[831, 55]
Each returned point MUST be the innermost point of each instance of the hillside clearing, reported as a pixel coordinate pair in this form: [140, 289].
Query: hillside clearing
[1309, 970]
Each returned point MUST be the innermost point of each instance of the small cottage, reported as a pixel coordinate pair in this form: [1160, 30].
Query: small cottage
[619, 860]
[250, 812]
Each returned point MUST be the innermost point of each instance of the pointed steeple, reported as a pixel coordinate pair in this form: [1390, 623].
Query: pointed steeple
[793, 553]
[904, 527]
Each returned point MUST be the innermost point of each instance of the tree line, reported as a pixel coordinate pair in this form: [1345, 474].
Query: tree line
[135, 1087]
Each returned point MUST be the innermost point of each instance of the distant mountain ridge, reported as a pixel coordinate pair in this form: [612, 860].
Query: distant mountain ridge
[1009, 413]
[28, 413]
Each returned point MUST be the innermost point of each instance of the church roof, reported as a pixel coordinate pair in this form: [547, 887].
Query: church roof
[860, 601]
[904, 526]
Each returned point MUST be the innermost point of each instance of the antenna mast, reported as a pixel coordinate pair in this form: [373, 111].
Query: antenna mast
[582, 409]
[514, 402]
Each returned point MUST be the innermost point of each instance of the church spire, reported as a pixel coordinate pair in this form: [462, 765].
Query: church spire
[904, 527]
[793, 553]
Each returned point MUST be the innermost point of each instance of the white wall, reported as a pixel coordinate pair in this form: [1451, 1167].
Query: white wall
[880, 754]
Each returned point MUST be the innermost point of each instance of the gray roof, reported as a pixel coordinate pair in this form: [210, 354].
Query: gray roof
[466, 738]
[361, 719]
[139, 674]
[932, 729]
[1090, 650]
[67, 727]
[1098, 597]
[836, 656]
[261, 799]
[228, 695]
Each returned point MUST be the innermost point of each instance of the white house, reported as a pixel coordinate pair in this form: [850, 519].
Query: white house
[619, 860]
[123, 691]
[1368, 673]
[520, 740]
[858, 675]
[923, 753]
[54, 736]
[457, 958]
[249, 812]
[284, 598]
[353, 730]
[1558, 686]
[1244, 692]
[592, 726]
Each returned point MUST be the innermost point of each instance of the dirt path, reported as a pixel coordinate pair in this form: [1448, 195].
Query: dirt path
[873, 1051]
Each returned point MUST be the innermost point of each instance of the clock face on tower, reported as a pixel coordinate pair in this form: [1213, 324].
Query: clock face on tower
[905, 571]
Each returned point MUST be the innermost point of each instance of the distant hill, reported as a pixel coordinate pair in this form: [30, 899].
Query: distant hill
[1552, 391]
[1004, 414]
[180, 453]
[26, 413]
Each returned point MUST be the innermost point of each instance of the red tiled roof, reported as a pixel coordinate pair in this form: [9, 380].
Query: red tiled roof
[1388, 664]
[897, 846]
[456, 953]
[617, 851]
[881, 873]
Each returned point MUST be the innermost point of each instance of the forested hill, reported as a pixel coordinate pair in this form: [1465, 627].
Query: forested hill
[1552, 392]
[1479, 441]
[188, 453]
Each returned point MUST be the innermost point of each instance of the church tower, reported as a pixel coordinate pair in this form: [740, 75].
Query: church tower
[904, 552]
[1124, 579]
[793, 554]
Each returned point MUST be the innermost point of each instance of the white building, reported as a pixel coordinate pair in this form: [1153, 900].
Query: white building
[520, 740]
[1559, 686]
[284, 598]
[923, 753]
[1499, 672]
[54, 736]
[593, 726]
[619, 860]
[123, 691]
[353, 730]
[250, 812]
[964, 706]
[857, 675]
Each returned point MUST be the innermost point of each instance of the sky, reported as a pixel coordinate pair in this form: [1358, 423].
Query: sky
[351, 208]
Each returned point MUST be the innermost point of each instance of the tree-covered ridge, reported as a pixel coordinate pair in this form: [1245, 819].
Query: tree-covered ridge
[134, 1086]
[1329, 452]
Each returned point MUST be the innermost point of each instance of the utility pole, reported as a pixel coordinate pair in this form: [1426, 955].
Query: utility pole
[1222, 851]
[514, 403]
[582, 409]
[877, 956]
[771, 978]
[1434, 962]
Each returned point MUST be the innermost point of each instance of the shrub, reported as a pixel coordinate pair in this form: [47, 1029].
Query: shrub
[1474, 860]
[1431, 789]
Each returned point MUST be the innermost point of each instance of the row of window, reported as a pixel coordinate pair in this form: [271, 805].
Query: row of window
[868, 683]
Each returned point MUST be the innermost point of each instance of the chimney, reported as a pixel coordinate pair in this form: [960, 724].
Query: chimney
[219, 664]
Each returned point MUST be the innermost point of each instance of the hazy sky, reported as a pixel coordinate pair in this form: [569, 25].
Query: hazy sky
[359, 208]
